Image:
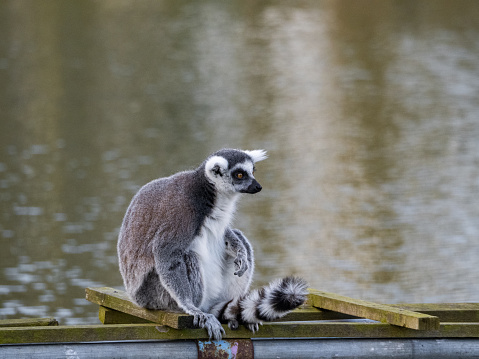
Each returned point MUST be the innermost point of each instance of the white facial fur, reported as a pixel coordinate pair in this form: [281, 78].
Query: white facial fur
[214, 164]
[246, 166]
[217, 172]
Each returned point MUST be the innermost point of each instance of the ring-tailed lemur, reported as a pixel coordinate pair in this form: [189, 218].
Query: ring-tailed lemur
[177, 251]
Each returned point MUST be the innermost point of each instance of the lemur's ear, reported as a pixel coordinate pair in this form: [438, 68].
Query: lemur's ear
[217, 170]
[216, 166]
[257, 155]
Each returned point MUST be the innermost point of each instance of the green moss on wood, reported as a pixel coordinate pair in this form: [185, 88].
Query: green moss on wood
[119, 332]
[374, 311]
[30, 322]
[446, 312]
[118, 300]
[111, 316]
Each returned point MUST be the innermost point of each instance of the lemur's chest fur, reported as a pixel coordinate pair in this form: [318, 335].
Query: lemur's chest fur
[211, 249]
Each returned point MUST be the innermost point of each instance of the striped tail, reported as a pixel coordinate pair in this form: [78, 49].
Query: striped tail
[268, 303]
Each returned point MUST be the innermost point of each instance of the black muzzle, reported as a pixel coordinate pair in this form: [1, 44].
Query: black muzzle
[254, 187]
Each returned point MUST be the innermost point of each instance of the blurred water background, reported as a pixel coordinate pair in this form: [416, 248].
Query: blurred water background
[369, 111]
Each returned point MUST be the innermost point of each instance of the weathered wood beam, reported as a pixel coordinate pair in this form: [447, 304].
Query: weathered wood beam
[446, 312]
[119, 332]
[119, 300]
[308, 312]
[380, 312]
[30, 322]
[111, 316]
[452, 312]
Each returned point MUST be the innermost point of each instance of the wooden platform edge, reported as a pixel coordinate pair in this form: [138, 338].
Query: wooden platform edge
[29, 322]
[325, 329]
[379, 312]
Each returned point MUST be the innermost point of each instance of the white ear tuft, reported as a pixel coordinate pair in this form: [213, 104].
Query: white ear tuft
[257, 155]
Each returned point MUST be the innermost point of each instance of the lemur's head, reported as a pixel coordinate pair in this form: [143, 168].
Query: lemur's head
[232, 171]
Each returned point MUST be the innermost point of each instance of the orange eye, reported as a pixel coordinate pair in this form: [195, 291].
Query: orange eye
[239, 175]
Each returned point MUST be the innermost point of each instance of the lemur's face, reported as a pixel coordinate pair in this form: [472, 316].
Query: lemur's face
[232, 171]
[242, 178]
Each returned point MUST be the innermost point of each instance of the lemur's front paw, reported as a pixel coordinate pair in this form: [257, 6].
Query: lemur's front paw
[241, 265]
[210, 323]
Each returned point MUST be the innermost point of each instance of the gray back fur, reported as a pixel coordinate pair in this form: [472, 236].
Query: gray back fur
[168, 210]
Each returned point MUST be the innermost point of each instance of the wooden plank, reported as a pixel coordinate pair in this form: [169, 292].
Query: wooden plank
[118, 300]
[320, 329]
[449, 312]
[308, 312]
[380, 312]
[446, 312]
[29, 322]
[312, 313]
[111, 316]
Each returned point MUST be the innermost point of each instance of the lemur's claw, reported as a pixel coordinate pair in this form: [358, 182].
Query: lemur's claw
[254, 327]
[210, 323]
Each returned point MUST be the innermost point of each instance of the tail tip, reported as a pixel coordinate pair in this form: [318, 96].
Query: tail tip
[289, 293]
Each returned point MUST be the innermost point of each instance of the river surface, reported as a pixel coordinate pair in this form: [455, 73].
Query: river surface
[369, 111]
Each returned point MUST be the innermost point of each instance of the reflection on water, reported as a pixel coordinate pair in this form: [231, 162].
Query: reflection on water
[368, 110]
